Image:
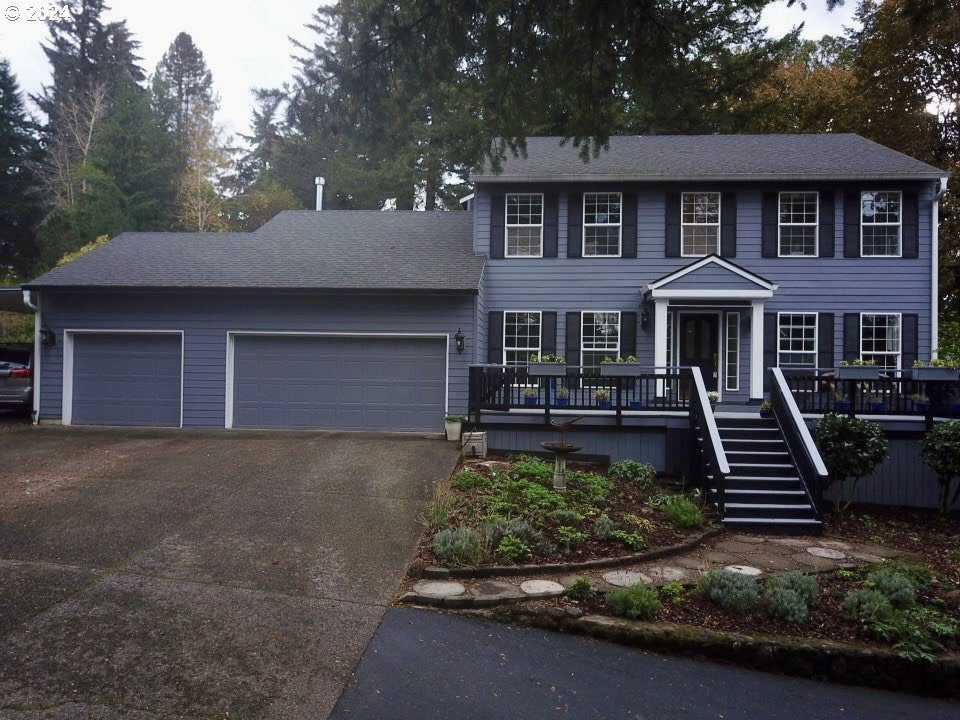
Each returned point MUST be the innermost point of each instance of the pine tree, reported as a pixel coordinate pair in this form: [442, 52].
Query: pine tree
[182, 84]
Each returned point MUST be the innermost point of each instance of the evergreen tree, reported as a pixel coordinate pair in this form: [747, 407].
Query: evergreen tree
[182, 85]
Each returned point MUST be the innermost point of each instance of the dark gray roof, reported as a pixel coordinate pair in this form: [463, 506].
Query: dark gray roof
[713, 158]
[348, 250]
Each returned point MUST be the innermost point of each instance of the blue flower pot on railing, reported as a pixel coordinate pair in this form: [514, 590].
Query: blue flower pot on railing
[955, 409]
[636, 404]
[563, 402]
[605, 404]
[878, 406]
[921, 407]
[841, 406]
[531, 400]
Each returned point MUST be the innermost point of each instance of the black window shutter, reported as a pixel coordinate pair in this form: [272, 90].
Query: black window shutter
[825, 357]
[911, 340]
[495, 338]
[629, 218]
[851, 225]
[497, 219]
[672, 248]
[548, 333]
[827, 239]
[575, 225]
[770, 342]
[769, 222]
[573, 339]
[550, 212]
[911, 221]
[851, 336]
[628, 334]
[728, 224]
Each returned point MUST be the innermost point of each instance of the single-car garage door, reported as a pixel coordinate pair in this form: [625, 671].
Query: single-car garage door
[355, 383]
[126, 379]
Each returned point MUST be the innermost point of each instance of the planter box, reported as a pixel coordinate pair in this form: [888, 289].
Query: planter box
[878, 407]
[531, 400]
[453, 430]
[842, 406]
[620, 369]
[636, 404]
[857, 372]
[934, 374]
[921, 407]
[547, 369]
[605, 404]
[563, 402]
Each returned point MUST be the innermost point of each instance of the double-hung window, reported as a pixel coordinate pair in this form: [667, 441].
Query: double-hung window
[700, 224]
[880, 339]
[798, 224]
[881, 214]
[599, 338]
[797, 340]
[601, 224]
[521, 337]
[524, 225]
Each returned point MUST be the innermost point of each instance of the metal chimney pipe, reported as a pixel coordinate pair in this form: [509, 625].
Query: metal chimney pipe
[319, 181]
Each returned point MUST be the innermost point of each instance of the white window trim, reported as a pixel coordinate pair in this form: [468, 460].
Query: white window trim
[539, 349]
[616, 353]
[898, 224]
[816, 337]
[899, 316]
[718, 224]
[781, 225]
[507, 226]
[735, 386]
[619, 226]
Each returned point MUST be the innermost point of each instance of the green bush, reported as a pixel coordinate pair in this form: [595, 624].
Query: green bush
[850, 447]
[594, 487]
[532, 468]
[566, 517]
[732, 591]
[940, 451]
[632, 471]
[682, 512]
[673, 592]
[803, 585]
[571, 537]
[496, 531]
[894, 586]
[640, 602]
[782, 602]
[917, 633]
[867, 605]
[634, 541]
[582, 589]
[469, 479]
[524, 497]
[603, 528]
[918, 575]
[460, 546]
[513, 549]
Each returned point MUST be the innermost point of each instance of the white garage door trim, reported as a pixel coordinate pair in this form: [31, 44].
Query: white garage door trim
[232, 334]
[66, 411]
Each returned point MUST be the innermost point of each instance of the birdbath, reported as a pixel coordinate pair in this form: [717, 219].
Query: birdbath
[560, 449]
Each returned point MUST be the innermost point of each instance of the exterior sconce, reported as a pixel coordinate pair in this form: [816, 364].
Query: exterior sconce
[644, 319]
[47, 337]
[459, 340]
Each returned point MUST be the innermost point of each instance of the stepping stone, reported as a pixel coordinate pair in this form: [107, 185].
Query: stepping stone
[493, 588]
[729, 546]
[744, 570]
[752, 539]
[836, 544]
[866, 557]
[690, 563]
[773, 562]
[720, 558]
[790, 542]
[626, 578]
[669, 574]
[541, 588]
[439, 588]
[825, 552]
[813, 561]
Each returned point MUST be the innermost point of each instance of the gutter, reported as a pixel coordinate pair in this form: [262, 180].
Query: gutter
[37, 324]
[935, 268]
[729, 177]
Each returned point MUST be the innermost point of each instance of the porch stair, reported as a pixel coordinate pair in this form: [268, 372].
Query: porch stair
[763, 492]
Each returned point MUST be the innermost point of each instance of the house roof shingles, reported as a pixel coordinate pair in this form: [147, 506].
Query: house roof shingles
[337, 250]
[713, 158]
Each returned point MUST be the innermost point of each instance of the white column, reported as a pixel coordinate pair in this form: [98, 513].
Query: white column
[756, 351]
[660, 319]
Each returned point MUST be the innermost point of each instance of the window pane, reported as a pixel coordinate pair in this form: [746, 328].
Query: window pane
[881, 239]
[524, 209]
[880, 207]
[523, 241]
[799, 207]
[797, 340]
[798, 239]
[880, 339]
[601, 208]
[601, 240]
[701, 208]
[521, 336]
[798, 223]
[701, 239]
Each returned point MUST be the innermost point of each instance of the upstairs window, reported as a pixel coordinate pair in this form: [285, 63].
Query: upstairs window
[524, 225]
[601, 224]
[599, 338]
[880, 223]
[880, 339]
[521, 337]
[700, 224]
[798, 224]
[797, 340]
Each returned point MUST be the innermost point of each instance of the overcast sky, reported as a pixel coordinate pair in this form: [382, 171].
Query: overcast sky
[246, 43]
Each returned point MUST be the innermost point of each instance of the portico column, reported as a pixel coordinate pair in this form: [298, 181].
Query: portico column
[756, 351]
[660, 338]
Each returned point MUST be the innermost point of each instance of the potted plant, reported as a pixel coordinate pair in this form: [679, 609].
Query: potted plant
[563, 397]
[636, 404]
[841, 402]
[453, 425]
[546, 365]
[921, 403]
[766, 409]
[877, 403]
[713, 396]
[620, 367]
[936, 371]
[603, 398]
[859, 369]
[531, 396]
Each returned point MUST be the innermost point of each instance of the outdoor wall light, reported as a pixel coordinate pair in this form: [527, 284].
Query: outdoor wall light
[459, 340]
[47, 337]
[644, 319]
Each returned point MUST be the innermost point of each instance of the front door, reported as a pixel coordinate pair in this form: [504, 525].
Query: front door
[700, 345]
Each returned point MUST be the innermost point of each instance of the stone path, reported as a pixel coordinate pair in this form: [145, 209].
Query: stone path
[754, 555]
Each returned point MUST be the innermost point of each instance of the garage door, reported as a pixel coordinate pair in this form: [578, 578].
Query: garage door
[121, 379]
[339, 382]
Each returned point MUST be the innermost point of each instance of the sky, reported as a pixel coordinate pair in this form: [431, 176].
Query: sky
[246, 42]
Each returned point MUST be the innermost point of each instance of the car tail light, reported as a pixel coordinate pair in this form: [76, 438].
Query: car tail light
[21, 373]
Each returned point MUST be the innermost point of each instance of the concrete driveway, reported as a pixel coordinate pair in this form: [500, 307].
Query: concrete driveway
[149, 573]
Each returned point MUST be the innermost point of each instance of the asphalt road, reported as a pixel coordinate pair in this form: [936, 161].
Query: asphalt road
[424, 665]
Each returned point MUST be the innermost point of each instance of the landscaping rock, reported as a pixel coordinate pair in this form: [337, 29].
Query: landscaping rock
[866, 557]
[826, 552]
[836, 544]
[626, 578]
[731, 546]
[813, 561]
[573, 611]
[439, 589]
[541, 588]
[790, 542]
[493, 588]
[670, 573]
[744, 570]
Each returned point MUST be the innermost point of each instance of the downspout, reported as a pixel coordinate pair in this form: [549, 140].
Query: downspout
[28, 301]
[935, 269]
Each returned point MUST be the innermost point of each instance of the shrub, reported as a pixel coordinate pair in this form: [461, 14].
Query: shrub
[513, 549]
[640, 523]
[571, 537]
[844, 574]
[496, 531]
[524, 497]
[640, 602]
[918, 575]
[940, 451]
[803, 585]
[595, 487]
[782, 602]
[732, 591]
[632, 471]
[633, 541]
[460, 546]
[603, 528]
[566, 517]
[894, 586]
[850, 447]
[917, 632]
[532, 468]
[469, 479]
[673, 592]
[582, 589]
[866, 605]
[681, 511]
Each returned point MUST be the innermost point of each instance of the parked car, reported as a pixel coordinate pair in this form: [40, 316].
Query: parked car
[16, 377]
